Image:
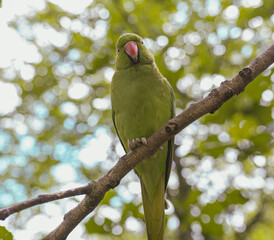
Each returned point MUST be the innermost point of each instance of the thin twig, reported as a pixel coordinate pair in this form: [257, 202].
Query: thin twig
[42, 198]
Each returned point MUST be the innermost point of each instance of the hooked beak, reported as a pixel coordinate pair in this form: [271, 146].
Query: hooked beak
[131, 50]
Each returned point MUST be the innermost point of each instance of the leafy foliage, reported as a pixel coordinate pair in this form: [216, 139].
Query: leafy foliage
[60, 134]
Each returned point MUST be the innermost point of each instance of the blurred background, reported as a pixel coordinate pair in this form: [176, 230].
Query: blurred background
[56, 63]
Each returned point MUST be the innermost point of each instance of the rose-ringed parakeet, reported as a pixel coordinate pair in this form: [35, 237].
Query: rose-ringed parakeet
[142, 102]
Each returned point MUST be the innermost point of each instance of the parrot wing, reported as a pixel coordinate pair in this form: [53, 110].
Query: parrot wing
[171, 141]
[113, 119]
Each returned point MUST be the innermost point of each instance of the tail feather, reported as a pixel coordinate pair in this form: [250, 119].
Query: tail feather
[154, 211]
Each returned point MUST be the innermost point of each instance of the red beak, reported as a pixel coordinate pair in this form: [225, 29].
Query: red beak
[131, 50]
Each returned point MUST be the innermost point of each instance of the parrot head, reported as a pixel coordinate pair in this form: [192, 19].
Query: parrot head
[131, 51]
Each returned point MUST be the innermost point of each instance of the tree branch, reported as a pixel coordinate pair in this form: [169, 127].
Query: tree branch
[40, 199]
[218, 96]
[210, 104]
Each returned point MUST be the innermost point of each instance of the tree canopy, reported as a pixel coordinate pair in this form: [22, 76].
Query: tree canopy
[56, 130]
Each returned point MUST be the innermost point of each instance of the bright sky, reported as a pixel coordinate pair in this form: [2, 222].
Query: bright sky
[17, 53]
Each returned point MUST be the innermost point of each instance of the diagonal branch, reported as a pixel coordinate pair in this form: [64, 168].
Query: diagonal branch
[210, 104]
[96, 190]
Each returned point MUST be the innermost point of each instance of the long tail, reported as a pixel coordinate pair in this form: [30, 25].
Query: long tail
[155, 211]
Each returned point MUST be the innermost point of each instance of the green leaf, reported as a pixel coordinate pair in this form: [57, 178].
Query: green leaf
[235, 197]
[5, 234]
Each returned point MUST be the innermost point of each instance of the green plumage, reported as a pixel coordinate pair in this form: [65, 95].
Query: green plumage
[142, 102]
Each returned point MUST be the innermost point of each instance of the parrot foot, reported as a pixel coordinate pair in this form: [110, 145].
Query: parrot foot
[137, 142]
[144, 141]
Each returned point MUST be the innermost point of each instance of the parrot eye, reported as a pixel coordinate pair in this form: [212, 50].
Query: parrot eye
[118, 50]
[142, 42]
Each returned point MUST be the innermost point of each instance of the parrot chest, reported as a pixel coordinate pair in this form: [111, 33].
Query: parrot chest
[141, 102]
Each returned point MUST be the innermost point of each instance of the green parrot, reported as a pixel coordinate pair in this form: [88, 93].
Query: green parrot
[142, 102]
